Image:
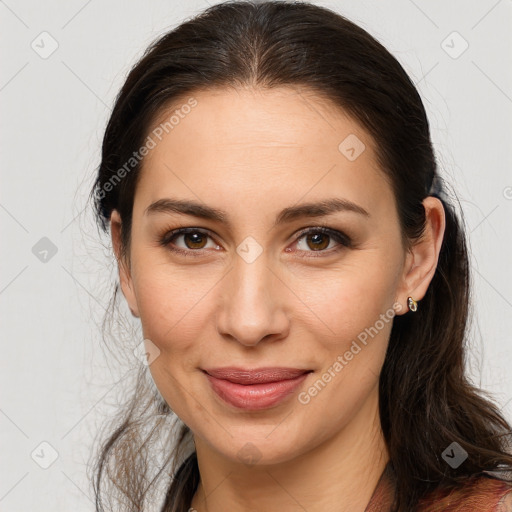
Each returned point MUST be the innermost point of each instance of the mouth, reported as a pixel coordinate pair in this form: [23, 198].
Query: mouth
[255, 389]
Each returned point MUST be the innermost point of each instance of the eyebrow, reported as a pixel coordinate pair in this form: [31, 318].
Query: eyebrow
[196, 209]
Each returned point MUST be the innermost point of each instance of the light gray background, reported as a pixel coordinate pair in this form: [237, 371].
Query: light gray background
[57, 382]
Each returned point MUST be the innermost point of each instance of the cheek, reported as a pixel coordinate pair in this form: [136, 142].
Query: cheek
[173, 315]
[171, 303]
[176, 305]
[353, 319]
[347, 300]
[351, 362]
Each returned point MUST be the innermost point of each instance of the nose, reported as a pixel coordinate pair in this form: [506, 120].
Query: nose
[252, 306]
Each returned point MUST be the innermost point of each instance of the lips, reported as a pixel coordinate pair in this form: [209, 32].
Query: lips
[256, 389]
[255, 376]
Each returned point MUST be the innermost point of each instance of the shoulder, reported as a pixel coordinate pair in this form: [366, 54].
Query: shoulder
[481, 494]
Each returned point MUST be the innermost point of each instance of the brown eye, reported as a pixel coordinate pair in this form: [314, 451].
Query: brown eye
[317, 241]
[194, 239]
[322, 240]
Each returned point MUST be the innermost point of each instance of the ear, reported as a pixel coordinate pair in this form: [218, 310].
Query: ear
[123, 265]
[421, 260]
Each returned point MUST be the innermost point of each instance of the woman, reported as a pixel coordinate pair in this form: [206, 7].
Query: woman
[300, 276]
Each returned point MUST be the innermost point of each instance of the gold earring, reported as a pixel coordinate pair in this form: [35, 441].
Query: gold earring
[412, 304]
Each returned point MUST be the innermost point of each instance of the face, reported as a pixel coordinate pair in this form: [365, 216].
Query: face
[266, 281]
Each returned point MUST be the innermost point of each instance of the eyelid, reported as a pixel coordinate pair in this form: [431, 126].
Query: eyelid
[343, 240]
[168, 235]
[333, 233]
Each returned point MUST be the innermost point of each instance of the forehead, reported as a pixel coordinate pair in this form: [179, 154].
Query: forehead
[260, 146]
[244, 118]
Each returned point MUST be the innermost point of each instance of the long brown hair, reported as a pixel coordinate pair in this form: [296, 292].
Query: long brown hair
[426, 400]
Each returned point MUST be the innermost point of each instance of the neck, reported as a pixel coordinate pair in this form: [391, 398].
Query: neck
[338, 475]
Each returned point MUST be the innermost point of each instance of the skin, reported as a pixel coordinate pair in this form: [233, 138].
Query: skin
[239, 151]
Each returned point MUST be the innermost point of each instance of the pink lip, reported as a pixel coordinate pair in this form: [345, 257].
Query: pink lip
[255, 389]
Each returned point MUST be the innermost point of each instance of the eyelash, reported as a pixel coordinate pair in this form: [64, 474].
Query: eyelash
[343, 240]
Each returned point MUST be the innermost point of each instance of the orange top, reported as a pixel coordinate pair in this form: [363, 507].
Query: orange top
[480, 494]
